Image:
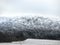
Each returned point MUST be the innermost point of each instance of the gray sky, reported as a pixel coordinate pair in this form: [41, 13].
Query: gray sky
[27, 7]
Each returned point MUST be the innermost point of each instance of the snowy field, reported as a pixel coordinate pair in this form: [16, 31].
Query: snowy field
[34, 42]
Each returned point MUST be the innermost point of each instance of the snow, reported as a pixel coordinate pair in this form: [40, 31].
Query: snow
[34, 42]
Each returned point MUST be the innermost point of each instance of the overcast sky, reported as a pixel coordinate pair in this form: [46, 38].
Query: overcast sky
[27, 7]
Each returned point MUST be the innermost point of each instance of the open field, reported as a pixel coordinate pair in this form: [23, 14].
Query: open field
[34, 42]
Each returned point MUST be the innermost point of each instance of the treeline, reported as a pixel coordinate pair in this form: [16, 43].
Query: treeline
[21, 28]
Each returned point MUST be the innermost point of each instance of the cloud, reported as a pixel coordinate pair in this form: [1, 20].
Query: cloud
[29, 6]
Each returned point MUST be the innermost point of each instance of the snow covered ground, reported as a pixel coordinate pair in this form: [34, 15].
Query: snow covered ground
[34, 42]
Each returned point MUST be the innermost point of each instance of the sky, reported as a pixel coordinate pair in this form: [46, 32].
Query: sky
[29, 7]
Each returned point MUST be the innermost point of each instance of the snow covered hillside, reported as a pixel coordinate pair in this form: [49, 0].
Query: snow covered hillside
[17, 28]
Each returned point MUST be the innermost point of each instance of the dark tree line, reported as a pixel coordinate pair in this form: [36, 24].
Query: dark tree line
[22, 28]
